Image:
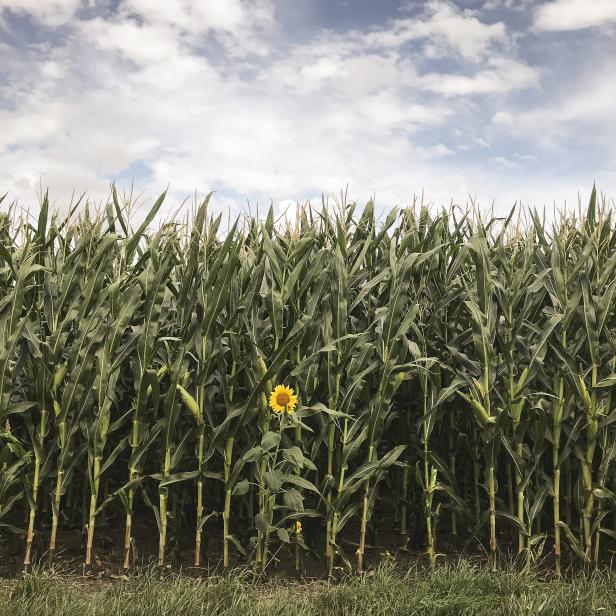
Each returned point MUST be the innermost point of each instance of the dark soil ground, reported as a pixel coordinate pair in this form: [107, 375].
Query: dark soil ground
[385, 543]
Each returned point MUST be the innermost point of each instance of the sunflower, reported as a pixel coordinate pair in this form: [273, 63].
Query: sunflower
[283, 400]
[298, 527]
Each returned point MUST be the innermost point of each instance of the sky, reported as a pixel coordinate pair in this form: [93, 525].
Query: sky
[280, 101]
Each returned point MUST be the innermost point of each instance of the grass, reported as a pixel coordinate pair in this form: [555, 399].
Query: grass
[460, 589]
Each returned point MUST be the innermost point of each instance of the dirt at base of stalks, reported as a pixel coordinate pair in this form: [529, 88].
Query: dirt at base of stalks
[387, 546]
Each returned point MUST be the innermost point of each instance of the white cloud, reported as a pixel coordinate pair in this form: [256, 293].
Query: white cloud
[208, 95]
[574, 14]
[502, 117]
[502, 75]
[190, 16]
[144, 44]
[235, 23]
[504, 162]
[511, 5]
[446, 28]
[437, 151]
[581, 115]
[49, 12]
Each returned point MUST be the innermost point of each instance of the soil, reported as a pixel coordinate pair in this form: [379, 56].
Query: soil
[108, 552]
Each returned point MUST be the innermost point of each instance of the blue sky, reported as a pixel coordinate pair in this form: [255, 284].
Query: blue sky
[282, 100]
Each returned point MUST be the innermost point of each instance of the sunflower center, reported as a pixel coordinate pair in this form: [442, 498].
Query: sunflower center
[283, 398]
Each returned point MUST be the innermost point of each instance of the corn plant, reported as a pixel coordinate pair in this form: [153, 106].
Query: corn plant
[137, 365]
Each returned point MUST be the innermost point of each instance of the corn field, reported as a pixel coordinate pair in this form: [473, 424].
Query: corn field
[453, 372]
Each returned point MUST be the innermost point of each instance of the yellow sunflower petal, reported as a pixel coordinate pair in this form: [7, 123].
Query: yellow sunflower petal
[292, 404]
[282, 399]
[273, 402]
